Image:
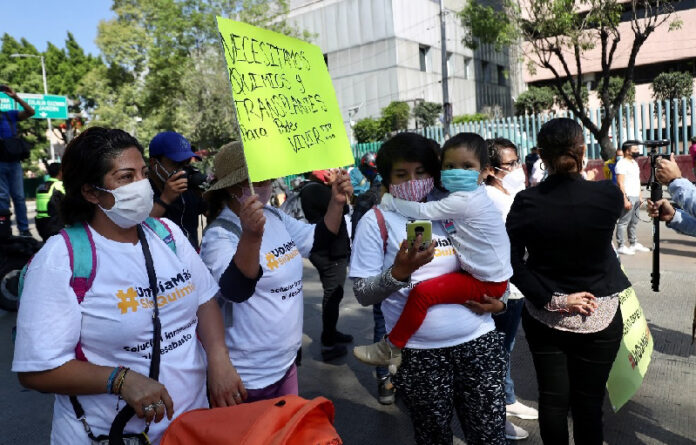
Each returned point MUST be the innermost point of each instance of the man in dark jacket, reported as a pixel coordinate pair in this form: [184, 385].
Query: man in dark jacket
[331, 263]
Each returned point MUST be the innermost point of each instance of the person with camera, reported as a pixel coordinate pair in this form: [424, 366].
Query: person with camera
[628, 179]
[683, 193]
[11, 175]
[176, 184]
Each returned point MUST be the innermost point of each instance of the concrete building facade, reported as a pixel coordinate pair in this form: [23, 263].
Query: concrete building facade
[663, 51]
[379, 51]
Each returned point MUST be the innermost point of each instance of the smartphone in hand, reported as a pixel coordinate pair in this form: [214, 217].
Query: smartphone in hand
[423, 228]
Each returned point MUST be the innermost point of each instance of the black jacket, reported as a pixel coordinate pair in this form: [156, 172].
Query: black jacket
[566, 226]
[315, 198]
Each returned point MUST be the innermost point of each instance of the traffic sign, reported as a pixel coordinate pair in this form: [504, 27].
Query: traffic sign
[46, 106]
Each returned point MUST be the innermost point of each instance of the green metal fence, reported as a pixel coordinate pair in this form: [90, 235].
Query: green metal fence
[674, 120]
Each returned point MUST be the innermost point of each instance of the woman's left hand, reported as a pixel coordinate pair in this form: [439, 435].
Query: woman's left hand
[225, 385]
[490, 305]
[341, 188]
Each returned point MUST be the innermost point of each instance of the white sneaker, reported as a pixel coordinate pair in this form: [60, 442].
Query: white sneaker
[514, 432]
[625, 250]
[638, 247]
[522, 411]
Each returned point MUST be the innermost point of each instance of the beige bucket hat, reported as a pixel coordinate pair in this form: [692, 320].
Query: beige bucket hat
[229, 166]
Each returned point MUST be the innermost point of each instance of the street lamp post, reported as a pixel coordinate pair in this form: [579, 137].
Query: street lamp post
[45, 85]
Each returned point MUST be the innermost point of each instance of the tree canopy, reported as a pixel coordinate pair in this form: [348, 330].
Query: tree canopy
[668, 86]
[559, 34]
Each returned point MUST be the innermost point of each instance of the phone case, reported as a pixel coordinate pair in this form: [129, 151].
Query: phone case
[413, 228]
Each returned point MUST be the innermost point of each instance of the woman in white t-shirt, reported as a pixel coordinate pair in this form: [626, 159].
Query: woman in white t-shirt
[505, 179]
[455, 360]
[255, 252]
[100, 349]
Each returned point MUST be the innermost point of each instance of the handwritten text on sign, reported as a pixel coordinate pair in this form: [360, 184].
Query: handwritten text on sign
[286, 106]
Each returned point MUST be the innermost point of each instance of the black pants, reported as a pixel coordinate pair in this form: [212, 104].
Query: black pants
[332, 273]
[572, 371]
[468, 379]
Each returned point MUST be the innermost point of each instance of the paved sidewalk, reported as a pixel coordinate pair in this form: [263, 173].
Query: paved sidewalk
[662, 412]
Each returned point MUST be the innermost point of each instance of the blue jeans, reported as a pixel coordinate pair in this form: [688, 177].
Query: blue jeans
[380, 331]
[507, 323]
[12, 185]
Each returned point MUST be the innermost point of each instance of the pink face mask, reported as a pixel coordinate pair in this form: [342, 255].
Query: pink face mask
[413, 190]
[262, 191]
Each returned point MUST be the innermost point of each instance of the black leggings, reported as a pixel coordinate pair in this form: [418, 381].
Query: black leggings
[572, 371]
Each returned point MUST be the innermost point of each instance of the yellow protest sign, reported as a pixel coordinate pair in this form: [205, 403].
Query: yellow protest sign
[634, 354]
[286, 105]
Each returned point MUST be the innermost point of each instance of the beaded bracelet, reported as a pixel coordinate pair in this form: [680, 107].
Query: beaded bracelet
[121, 380]
[112, 377]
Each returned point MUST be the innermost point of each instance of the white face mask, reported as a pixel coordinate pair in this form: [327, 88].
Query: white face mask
[132, 203]
[513, 181]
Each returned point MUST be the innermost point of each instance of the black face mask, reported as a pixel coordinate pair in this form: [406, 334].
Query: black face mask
[635, 154]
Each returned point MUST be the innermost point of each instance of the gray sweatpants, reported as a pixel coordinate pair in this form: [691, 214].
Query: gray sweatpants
[627, 223]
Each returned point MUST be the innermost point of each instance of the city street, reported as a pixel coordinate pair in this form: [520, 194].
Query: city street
[662, 412]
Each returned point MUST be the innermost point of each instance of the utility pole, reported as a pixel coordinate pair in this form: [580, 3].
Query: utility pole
[446, 105]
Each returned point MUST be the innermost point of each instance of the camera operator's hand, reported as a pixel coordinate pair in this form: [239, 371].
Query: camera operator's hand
[176, 185]
[661, 208]
[667, 170]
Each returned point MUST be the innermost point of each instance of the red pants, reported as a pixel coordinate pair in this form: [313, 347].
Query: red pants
[452, 288]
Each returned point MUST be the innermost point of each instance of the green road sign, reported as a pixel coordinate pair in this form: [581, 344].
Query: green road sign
[46, 106]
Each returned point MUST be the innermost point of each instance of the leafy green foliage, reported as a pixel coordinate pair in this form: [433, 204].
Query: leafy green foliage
[368, 130]
[668, 86]
[65, 69]
[568, 89]
[395, 116]
[426, 113]
[534, 100]
[165, 69]
[615, 85]
[464, 118]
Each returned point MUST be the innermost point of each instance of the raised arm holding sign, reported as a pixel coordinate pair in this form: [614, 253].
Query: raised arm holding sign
[288, 115]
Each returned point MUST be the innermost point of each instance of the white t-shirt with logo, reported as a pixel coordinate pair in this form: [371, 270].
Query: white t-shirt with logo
[629, 168]
[445, 325]
[266, 330]
[114, 325]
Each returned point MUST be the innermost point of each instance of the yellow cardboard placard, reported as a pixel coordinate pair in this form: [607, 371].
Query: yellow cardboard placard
[632, 360]
[286, 105]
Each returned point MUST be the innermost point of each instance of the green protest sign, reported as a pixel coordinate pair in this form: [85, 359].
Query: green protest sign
[635, 351]
[286, 105]
[46, 106]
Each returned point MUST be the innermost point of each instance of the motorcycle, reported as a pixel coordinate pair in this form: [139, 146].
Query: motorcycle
[15, 253]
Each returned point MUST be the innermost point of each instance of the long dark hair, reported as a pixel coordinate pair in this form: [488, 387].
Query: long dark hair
[409, 147]
[561, 142]
[88, 158]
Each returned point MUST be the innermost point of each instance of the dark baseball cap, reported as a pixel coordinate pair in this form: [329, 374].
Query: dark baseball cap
[172, 145]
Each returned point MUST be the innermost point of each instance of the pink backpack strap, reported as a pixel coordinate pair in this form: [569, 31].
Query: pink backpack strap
[382, 227]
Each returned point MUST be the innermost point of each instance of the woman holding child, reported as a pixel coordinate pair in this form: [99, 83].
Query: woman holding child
[455, 360]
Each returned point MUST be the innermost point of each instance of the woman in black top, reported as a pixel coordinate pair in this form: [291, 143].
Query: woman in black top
[571, 280]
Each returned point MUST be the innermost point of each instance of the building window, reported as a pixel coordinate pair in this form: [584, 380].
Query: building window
[450, 64]
[424, 53]
[467, 68]
[485, 71]
[501, 75]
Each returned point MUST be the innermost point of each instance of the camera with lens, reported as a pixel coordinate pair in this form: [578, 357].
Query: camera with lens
[196, 179]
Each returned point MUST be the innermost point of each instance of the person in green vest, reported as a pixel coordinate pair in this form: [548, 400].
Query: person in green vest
[48, 196]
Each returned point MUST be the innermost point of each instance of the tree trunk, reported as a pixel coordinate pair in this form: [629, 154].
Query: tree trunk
[607, 147]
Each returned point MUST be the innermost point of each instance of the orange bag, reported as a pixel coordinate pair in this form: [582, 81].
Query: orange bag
[287, 420]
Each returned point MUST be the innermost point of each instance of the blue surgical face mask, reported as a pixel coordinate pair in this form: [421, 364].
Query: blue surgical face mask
[460, 180]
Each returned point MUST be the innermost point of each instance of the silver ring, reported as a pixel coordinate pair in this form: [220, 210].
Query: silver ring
[158, 403]
[237, 395]
[148, 408]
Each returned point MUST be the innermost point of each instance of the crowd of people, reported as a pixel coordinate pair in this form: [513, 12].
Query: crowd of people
[131, 321]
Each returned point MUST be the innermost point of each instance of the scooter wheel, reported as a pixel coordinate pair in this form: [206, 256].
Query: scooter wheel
[9, 285]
